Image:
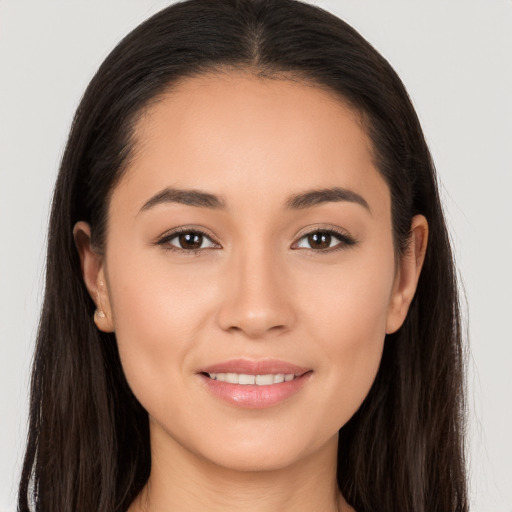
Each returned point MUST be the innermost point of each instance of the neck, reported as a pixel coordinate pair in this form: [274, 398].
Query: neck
[183, 481]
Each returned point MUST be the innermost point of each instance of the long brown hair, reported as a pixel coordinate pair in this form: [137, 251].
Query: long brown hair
[88, 446]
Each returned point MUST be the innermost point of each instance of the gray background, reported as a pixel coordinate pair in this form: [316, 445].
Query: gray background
[455, 59]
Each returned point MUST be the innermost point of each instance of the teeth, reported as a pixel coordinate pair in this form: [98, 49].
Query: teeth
[264, 380]
[246, 379]
[232, 378]
[259, 380]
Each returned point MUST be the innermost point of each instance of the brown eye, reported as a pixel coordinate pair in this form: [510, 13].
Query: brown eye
[187, 241]
[190, 240]
[319, 240]
[325, 241]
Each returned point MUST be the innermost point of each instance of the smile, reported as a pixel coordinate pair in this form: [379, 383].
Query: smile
[258, 380]
[254, 384]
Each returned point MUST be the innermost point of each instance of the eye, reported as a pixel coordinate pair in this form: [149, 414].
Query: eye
[188, 240]
[325, 240]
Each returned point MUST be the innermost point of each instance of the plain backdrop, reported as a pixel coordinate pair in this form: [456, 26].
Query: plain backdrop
[455, 58]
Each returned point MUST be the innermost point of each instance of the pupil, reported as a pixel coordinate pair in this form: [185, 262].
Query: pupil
[191, 240]
[319, 240]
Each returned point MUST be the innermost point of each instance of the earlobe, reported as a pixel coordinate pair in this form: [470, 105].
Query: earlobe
[93, 274]
[408, 273]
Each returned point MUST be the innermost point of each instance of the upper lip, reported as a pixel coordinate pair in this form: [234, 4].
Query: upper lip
[251, 367]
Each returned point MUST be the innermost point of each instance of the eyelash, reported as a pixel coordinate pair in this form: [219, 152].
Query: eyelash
[164, 241]
[345, 240]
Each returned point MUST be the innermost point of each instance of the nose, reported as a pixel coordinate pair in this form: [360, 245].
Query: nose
[258, 297]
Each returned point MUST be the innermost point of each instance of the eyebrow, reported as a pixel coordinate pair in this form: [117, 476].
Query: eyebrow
[303, 200]
[187, 197]
[325, 195]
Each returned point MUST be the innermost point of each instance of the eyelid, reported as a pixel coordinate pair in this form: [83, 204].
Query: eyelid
[345, 238]
[164, 239]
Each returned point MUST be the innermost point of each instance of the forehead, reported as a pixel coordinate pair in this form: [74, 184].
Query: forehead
[242, 136]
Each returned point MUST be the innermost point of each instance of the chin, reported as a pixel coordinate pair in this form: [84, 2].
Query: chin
[262, 453]
[254, 461]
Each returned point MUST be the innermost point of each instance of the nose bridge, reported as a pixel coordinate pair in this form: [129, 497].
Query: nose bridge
[257, 298]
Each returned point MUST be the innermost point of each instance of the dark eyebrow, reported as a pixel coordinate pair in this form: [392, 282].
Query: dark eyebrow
[300, 201]
[185, 196]
[326, 195]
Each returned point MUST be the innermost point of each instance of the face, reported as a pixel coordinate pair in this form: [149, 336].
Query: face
[250, 242]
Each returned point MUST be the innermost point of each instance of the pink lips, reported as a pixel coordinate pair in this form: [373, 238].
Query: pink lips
[254, 396]
[262, 367]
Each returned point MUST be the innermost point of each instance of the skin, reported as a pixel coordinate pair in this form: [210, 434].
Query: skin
[258, 290]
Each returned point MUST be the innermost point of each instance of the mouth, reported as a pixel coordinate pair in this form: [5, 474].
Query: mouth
[246, 379]
[254, 384]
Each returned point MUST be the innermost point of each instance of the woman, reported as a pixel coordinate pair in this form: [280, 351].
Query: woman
[250, 296]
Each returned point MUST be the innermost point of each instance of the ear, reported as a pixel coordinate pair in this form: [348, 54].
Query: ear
[407, 275]
[93, 273]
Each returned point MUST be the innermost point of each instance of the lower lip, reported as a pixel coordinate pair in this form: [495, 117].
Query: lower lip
[252, 396]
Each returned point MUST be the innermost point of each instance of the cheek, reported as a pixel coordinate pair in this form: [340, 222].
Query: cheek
[349, 324]
[157, 313]
[351, 301]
